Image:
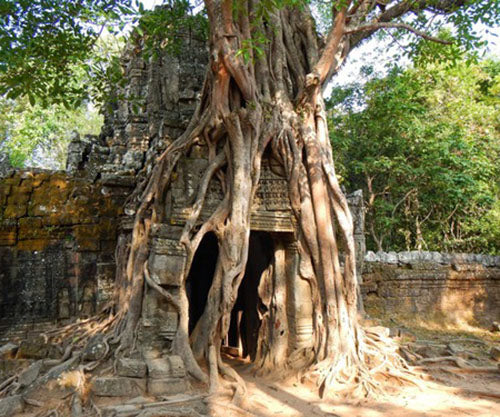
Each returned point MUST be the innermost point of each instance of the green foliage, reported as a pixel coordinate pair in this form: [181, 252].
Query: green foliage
[37, 135]
[43, 43]
[424, 145]
[165, 27]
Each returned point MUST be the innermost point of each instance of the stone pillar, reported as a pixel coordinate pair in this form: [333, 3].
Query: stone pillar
[357, 207]
[299, 305]
[166, 263]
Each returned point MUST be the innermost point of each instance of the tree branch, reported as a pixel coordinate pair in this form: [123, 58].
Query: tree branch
[380, 25]
[327, 58]
[402, 8]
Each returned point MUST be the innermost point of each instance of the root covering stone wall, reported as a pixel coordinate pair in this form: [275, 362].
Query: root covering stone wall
[57, 242]
[456, 287]
[58, 231]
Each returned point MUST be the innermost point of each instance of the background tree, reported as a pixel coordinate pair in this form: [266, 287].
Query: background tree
[424, 145]
[38, 136]
[43, 43]
[56, 57]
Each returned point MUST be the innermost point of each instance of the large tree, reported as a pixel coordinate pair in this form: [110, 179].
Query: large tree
[263, 93]
[263, 90]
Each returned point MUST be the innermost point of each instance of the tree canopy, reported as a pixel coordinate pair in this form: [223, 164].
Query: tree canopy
[423, 144]
[44, 42]
[34, 135]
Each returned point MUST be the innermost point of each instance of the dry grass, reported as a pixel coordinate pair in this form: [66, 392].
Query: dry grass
[432, 326]
[76, 381]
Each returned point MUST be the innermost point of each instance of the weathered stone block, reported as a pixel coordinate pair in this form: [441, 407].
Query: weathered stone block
[29, 375]
[9, 367]
[167, 367]
[8, 233]
[15, 208]
[404, 257]
[14, 180]
[495, 353]
[11, 406]
[167, 386]
[95, 348]
[158, 368]
[166, 269]
[34, 244]
[4, 192]
[33, 348]
[118, 386]
[134, 368]
[31, 228]
[177, 368]
[8, 350]
[163, 230]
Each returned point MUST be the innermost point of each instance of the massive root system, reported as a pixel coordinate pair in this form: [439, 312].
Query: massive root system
[269, 103]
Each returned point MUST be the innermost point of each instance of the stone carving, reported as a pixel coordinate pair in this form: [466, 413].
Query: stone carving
[151, 110]
[271, 210]
[168, 258]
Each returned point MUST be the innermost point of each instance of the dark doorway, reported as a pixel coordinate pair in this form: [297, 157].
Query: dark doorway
[245, 321]
[200, 277]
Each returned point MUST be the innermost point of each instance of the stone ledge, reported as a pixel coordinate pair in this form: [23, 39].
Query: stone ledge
[133, 368]
[118, 387]
[167, 386]
[417, 257]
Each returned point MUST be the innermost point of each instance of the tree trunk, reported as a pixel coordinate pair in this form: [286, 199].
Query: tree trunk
[270, 102]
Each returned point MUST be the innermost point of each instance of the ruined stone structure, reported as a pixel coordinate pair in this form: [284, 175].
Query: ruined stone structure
[58, 231]
[57, 241]
[67, 225]
[459, 288]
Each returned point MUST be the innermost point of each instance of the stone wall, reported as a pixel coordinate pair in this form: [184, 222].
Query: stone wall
[456, 287]
[57, 241]
[150, 110]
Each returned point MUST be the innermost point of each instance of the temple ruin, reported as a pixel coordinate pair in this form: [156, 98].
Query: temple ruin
[58, 231]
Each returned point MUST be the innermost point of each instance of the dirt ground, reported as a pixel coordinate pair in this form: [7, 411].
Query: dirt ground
[267, 398]
[448, 392]
[450, 388]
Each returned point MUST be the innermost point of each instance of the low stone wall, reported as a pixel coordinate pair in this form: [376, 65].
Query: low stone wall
[457, 287]
[57, 242]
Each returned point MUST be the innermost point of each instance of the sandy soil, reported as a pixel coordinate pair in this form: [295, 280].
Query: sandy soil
[449, 397]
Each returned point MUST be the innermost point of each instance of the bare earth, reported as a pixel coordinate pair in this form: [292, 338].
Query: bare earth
[450, 388]
[266, 398]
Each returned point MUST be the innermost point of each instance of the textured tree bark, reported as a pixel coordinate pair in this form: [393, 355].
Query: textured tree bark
[271, 102]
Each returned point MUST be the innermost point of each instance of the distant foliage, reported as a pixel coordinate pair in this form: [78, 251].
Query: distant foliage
[424, 146]
[38, 136]
[43, 43]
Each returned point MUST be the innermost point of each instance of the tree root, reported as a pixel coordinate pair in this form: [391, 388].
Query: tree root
[227, 408]
[32, 402]
[461, 363]
[370, 375]
[463, 370]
